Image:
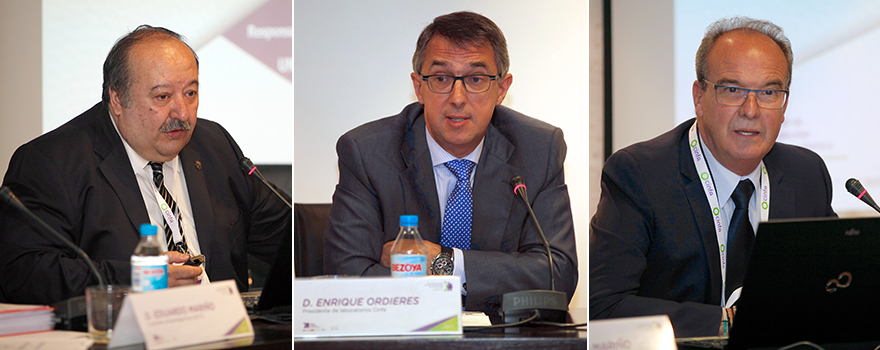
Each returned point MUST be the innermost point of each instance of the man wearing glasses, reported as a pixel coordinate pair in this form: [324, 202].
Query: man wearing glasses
[677, 215]
[449, 159]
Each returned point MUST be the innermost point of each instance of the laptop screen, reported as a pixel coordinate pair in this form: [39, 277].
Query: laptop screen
[278, 290]
[811, 280]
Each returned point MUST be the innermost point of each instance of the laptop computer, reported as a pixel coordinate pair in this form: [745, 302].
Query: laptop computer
[277, 293]
[813, 280]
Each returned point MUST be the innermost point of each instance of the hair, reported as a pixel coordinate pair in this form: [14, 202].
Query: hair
[724, 25]
[117, 72]
[464, 29]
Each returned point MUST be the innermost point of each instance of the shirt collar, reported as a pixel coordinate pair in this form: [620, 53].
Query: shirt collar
[726, 180]
[440, 156]
[140, 164]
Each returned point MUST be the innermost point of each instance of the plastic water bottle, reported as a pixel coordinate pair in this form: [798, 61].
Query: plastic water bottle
[409, 255]
[149, 267]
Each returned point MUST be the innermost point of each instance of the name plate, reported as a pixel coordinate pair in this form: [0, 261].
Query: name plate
[182, 316]
[374, 306]
[647, 332]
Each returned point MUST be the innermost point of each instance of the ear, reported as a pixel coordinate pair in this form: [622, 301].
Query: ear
[503, 86]
[697, 91]
[115, 103]
[417, 86]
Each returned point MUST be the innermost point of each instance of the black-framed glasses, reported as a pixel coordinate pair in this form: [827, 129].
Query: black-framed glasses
[474, 83]
[735, 96]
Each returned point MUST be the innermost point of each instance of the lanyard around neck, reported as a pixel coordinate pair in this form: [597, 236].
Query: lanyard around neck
[712, 196]
[169, 216]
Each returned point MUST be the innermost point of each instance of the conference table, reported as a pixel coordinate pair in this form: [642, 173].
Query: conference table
[267, 336]
[525, 337]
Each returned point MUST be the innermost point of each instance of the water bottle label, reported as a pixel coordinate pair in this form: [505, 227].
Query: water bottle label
[149, 278]
[409, 265]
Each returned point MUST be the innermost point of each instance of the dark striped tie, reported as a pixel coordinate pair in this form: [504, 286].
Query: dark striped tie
[740, 237]
[159, 180]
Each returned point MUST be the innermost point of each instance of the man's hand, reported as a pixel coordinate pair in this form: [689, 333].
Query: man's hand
[181, 275]
[727, 315]
[433, 251]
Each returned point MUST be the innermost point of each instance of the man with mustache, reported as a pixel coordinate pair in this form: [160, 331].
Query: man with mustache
[677, 216]
[98, 177]
[449, 159]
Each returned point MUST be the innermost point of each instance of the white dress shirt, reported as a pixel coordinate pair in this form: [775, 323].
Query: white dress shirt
[175, 182]
[445, 181]
[725, 182]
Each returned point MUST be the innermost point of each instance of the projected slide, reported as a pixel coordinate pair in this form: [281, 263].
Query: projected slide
[831, 109]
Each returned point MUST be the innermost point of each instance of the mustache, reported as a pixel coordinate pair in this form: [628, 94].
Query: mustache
[175, 124]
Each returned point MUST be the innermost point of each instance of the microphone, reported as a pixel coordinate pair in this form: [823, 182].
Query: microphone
[11, 199]
[855, 187]
[519, 188]
[249, 168]
[550, 305]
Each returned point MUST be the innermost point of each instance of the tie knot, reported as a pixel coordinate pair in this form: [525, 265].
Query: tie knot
[461, 168]
[158, 178]
[743, 193]
[157, 167]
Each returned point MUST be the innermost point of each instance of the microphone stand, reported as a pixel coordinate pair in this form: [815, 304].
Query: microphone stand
[542, 305]
[855, 187]
[249, 168]
[70, 314]
[10, 198]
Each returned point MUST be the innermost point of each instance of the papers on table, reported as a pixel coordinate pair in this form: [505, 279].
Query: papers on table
[474, 318]
[48, 340]
[20, 318]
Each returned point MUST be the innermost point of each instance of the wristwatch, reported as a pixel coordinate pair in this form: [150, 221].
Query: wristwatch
[442, 263]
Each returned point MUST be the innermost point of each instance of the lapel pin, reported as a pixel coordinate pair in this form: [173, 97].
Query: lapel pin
[198, 165]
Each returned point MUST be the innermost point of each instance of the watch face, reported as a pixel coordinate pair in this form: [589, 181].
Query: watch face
[442, 265]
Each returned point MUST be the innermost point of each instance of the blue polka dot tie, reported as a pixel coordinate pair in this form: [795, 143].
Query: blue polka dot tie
[456, 230]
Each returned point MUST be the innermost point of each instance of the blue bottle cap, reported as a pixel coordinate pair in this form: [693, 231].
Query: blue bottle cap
[409, 220]
[148, 230]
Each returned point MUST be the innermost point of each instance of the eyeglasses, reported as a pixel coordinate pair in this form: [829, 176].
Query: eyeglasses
[735, 96]
[475, 83]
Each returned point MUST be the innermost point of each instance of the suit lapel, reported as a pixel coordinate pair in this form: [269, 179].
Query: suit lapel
[699, 206]
[417, 179]
[491, 207]
[191, 161]
[116, 167]
[782, 204]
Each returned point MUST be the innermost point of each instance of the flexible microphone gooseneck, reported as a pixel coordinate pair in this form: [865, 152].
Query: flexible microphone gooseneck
[9, 197]
[249, 168]
[855, 187]
[540, 305]
[519, 188]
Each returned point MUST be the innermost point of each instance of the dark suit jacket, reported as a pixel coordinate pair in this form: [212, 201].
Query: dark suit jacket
[78, 179]
[653, 249]
[385, 171]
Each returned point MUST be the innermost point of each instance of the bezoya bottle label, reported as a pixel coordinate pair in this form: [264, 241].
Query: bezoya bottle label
[147, 276]
[403, 265]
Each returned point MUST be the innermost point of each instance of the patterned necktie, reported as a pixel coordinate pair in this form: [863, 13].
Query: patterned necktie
[740, 237]
[159, 180]
[456, 230]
